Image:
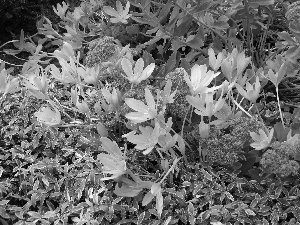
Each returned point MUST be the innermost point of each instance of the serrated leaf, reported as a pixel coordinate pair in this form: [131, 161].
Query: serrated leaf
[171, 63]
[165, 11]
[197, 41]
[203, 6]
[184, 27]
[148, 59]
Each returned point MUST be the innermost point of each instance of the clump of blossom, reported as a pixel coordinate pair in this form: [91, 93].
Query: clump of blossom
[280, 158]
[180, 105]
[224, 146]
[100, 50]
[107, 51]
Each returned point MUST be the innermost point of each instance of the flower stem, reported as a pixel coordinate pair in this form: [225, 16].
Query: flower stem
[281, 116]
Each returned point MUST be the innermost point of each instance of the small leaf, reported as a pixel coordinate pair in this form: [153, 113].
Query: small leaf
[261, 2]
[148, 59]
[101, 129]
[159, 203]
[133, 29]
[203, 6]
[165, 11]
[127, 191]
[171, 62]
[141, 218]
[287, 37]
[191, 212]
[147, 198]
[197, 41]
[280, 132]
[184, 27]
[207, 175]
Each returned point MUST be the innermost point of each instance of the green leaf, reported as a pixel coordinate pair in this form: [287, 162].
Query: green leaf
[220, 25]
[148, 59]
[171, 62]
[197, 42]
[147, 198]
[143, 21]
[287, 37]
[177, 43]
[173, 19]
[293, 52]
[184, 27]
[260, 2]
[49, 214]
[101, 129]
[191, 212]
[141, 218]
[133, 29]
[295, 26]
[165, 11]
[127, 191]
[34, 214]
[203, 6]
[207, 175]
[159, 203]
[280, 132]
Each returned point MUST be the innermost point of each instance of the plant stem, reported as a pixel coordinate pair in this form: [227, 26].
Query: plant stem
[172, 167]
[184, 120]
[260, 118]
[281, 116]
[248, 26]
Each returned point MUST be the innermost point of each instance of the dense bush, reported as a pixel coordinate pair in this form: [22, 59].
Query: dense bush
[152, 112]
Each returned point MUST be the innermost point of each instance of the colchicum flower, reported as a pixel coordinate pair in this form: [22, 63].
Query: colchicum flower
[50, 116]
[206, 106]
[252, 92]
[200, 79]
[214, 62]
[114, 162]
[139, 74]
[143, 112]
[8, 85]
[180, 105]
[262, 140]
[89, 75]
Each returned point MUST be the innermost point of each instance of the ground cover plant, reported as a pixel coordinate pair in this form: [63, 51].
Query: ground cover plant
[153, 112]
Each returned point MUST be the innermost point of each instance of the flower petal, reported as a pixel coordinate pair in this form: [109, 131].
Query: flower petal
[137, 105]
[138, 68]
[146, 72]
[127, 67]
[111, 11]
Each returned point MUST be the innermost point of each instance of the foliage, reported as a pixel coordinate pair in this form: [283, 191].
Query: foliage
[153, 112]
